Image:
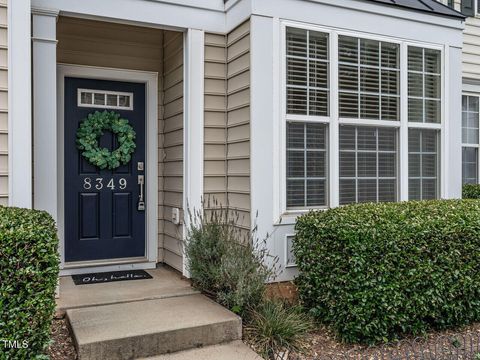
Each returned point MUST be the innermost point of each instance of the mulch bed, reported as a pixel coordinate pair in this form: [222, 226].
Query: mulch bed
[462, 343]
[62, 347]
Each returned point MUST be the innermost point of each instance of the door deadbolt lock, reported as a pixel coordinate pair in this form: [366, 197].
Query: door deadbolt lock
[141, 202]
[140, 166]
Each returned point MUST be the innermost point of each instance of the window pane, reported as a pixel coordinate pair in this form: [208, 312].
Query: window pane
[318, 45]
[470, 120]
[307, 72]
[297, 72]
[296, 42]
[369, 52]
[424, 85]
[306, 165]
[296, 101]
[348, 49]
[348, 104]
[469, 165]
[423, 166]
[368, 164]
[367, 78]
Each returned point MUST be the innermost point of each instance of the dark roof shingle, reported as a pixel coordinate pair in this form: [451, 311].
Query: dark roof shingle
[427, 6]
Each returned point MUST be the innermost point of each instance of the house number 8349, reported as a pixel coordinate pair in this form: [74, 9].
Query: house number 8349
[100, 183]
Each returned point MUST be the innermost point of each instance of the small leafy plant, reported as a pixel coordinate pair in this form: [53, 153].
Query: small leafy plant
[276, 327]
[226, 261]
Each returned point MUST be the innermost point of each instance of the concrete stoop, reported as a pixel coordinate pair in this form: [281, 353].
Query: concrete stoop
[148, 328]
[235, 350]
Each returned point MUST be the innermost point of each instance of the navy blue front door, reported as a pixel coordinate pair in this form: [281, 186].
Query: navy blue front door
[103, 219]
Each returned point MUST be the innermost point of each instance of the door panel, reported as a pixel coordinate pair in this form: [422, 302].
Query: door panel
[102, 218]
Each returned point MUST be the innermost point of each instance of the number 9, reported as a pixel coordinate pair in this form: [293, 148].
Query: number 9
[123, 183]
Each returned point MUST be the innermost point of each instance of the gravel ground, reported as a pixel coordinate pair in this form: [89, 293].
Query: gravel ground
[460, 344]
[62, 346]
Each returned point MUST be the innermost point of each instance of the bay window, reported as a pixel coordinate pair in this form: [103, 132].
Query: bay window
[345, 124]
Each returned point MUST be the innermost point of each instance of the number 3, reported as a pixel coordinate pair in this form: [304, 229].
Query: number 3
[99, 185]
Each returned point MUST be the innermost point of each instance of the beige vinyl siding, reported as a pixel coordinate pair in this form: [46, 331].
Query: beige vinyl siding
[215, 119]
[227, 121]
[95, 43]
[172, 134]
[3, 104]
[471, 48]
[238, 122]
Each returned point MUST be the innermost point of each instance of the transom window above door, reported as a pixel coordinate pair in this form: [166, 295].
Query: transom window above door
[105, 99]
[354, 94]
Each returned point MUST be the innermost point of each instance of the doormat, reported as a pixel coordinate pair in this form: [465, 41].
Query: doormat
[105, 277]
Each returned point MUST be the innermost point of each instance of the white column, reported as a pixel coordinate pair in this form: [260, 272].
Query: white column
[194, 46]
[45, 110]
[19, 104]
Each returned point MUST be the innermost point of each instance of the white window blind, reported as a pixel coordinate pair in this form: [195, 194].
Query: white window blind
[306, 165]
[307, 72]
[423, 164]
[424, 85]
[470, 138]
[368, 164]
[368, 79]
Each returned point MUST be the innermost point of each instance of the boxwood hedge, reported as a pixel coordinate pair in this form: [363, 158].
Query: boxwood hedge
[377, 272]
[28, 279]
[471, 191]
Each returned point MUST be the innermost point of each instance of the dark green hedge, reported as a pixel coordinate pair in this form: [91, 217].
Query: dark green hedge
[28, 279]
[471, 191]
[376, 272]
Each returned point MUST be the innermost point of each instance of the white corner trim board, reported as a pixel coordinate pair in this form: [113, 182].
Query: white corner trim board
[19, 110]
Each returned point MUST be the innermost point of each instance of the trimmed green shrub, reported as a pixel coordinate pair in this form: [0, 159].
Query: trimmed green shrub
[28, 279]
[225, 261]
[376, 272]
[471, 191]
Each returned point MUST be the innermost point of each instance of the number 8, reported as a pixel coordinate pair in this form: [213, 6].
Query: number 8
[87, 183]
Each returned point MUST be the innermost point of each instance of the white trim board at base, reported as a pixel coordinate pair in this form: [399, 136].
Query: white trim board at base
[150, 79]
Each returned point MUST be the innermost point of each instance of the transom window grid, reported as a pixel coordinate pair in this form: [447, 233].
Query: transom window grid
[335, 121]
[104, 99]
[368, 164]
[470, 138]
[424, 85]
[369, 79]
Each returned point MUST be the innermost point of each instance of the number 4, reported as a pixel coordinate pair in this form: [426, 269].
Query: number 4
[111, 184]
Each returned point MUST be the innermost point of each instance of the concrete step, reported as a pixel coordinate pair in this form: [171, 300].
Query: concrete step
[235, 350]
[151, 327]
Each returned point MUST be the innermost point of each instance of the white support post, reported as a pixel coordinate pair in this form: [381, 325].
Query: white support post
[193, 125]
[45, 110]
[19, 104]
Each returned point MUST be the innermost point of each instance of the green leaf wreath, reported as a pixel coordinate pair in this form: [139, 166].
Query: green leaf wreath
[92, 128]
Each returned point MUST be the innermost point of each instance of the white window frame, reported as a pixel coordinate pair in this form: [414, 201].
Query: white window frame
[476, 146]
[333, 121]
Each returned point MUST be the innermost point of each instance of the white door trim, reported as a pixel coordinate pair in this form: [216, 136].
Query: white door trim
[151, 82]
